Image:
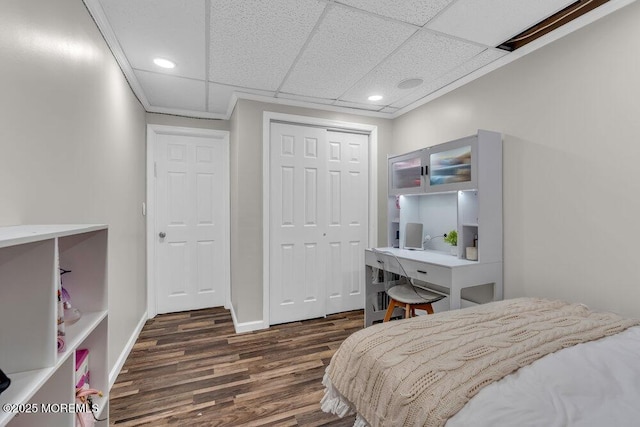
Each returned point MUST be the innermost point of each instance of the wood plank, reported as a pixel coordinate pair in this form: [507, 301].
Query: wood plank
[192, 369]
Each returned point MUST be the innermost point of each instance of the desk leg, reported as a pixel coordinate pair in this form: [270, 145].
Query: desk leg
[368, 311]
[454, 297]
[498, 293]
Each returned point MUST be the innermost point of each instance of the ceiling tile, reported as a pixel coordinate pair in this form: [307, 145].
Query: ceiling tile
[417, 12]
[219, 97]
[171, 29]
[468, 67]
[172, 92]
[254, 42]
[493, 22]
[347, 45]
[331, 52]
[427, 56]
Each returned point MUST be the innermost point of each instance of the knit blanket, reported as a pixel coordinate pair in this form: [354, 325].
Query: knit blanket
[421, 371]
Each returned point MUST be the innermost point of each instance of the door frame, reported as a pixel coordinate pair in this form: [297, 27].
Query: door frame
[268, 117]
[152, 132]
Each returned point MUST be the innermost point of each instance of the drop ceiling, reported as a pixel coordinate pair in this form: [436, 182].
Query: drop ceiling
[317, 53]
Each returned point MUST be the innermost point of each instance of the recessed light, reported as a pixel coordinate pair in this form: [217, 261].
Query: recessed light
[164, 63]
[410, 83]
[375, 98]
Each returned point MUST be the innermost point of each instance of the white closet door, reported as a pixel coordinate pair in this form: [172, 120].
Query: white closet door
[318, 221]
[192, 222]
[347, 221]
[297, 231]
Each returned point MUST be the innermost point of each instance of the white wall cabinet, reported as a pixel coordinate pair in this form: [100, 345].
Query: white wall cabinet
[407, 173]
[461, 189]
[29, 257]
[445, 167]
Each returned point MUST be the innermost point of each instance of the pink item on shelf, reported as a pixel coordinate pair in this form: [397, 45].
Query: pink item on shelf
[82, 367]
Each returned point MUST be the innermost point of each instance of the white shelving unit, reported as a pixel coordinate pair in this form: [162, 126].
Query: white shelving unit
[28, 311]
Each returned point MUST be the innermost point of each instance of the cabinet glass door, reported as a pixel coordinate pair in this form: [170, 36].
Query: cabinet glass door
[452, 166]
[405, 173]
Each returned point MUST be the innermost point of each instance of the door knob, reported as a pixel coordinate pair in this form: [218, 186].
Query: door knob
[162, 234]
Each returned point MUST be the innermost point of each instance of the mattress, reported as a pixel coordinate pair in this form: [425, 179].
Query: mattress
[591, 384]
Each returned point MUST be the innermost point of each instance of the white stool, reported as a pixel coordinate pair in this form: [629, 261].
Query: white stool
[411, 298]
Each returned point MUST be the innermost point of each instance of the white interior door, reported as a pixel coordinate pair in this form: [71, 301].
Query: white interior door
[192, 222]
[318, 214]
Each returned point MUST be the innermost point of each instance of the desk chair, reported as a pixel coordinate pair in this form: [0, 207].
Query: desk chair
[411, 298]
[407, 295]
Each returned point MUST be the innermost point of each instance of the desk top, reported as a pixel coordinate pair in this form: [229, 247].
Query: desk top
[427, 256]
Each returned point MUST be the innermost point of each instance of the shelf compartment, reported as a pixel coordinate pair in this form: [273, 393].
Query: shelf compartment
[51, 392]
[28, 314]
[25, 384]
[79, 331]
[96, 343]
[86, 256]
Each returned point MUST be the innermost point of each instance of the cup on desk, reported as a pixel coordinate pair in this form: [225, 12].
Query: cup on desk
[472, 253]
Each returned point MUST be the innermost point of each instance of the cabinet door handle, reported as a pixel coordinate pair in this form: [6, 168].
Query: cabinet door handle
[421, 171]
[426, 170]
[421, 271]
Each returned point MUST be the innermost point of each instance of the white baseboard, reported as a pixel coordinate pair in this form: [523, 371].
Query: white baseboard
[246, 326]
[113, 375]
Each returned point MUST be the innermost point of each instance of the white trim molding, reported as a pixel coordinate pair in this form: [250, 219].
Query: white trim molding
[152, 132]
[115, 371]
[269, 117]
[243, 327]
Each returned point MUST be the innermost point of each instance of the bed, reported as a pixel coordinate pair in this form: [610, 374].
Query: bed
[525, 362]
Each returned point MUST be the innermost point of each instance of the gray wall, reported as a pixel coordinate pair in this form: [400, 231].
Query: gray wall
[72, 142]
[234, 131]
[570, 117]
[246, 188]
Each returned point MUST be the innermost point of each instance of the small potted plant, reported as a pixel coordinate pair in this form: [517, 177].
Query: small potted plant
[452, 239]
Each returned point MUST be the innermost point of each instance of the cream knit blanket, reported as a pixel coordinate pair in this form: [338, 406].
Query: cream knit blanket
[421, 371]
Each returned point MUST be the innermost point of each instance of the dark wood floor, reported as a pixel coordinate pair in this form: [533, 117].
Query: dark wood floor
[191, 369]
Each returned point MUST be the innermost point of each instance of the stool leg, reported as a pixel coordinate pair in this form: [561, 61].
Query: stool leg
[407, 311]
[428, 307]
[392, 305]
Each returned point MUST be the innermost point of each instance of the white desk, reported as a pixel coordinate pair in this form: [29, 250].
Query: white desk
[434, 267]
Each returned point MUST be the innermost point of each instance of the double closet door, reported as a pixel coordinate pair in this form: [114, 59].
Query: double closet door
[319, 191]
